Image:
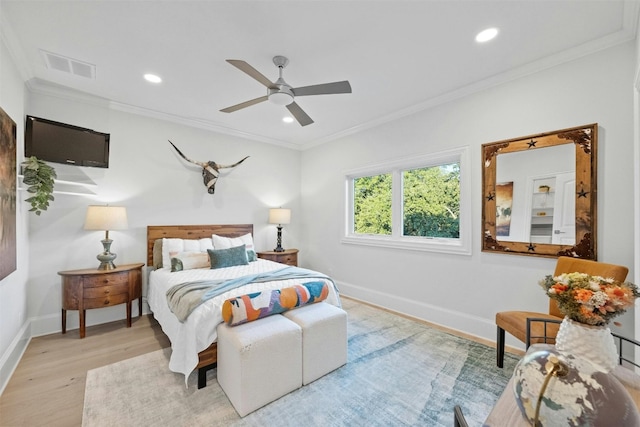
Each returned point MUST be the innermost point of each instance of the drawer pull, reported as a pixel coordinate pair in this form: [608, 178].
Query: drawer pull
[106, 302]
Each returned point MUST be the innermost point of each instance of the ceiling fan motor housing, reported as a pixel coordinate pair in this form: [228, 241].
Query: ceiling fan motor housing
[280, 94]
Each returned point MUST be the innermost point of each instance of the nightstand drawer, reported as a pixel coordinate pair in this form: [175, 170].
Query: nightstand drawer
[106, 280]
[289, 259]
[105, 301]
[288, 256]
[102, 291]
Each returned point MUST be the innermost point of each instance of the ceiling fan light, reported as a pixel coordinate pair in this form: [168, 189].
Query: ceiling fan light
[280, 98]
[486, 35]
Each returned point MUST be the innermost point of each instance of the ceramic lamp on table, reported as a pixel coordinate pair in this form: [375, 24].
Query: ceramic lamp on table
[106, 218]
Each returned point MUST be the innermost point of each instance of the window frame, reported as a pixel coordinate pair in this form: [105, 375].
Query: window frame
[460, 246]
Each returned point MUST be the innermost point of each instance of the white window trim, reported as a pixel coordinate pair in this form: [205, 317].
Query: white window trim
[460, 246]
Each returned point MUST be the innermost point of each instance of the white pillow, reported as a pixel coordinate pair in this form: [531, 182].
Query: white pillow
[172, 247]
[220, 242]
[190, 260]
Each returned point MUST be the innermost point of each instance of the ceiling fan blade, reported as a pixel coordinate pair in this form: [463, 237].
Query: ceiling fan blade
[323, 89]
[243, 66]
[299, 114]
[244, 104]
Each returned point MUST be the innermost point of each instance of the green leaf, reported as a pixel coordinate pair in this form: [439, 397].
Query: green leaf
[39, 177]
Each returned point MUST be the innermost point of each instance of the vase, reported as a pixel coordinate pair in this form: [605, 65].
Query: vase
[594, 344]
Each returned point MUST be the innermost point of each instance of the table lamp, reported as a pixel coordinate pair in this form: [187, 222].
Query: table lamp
[279, 216]
[106, 218]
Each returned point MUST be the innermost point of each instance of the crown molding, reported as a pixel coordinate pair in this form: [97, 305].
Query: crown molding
[61, 92]
[627, 33]
[200, 124]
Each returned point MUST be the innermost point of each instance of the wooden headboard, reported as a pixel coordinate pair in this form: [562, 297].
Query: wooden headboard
[155, 232]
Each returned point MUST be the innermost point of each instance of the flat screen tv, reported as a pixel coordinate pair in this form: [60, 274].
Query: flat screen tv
[62, 143]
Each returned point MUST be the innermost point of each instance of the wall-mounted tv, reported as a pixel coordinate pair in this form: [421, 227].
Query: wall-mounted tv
[62, 143]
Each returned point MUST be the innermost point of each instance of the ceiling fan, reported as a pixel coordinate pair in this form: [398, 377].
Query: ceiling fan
[280, 93]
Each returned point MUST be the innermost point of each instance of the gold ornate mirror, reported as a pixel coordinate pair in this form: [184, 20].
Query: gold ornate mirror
[539, 194]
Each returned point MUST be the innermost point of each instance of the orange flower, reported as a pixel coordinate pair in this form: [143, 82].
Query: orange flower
[559, 287]
[582, 295]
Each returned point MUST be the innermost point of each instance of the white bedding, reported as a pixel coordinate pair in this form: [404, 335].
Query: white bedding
[199, 330]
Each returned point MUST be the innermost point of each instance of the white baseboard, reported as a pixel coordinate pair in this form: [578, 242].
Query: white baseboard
[464, 323]
[11, 357]
[51, 324]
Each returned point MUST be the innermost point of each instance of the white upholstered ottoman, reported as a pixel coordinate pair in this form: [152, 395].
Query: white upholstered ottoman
[324, 338]
[259, 361]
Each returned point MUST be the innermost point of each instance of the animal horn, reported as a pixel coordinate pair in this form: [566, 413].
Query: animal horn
[233, 165]
[186, 158]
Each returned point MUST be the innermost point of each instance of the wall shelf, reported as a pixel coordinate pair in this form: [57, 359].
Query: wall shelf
[64, 187]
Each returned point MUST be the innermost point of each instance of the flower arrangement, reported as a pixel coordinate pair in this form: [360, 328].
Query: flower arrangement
[592, 300]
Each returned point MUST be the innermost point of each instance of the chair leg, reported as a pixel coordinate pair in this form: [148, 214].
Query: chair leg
[458, 417]
[500, 347]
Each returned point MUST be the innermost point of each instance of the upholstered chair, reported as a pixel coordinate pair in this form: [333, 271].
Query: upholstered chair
[515, 322]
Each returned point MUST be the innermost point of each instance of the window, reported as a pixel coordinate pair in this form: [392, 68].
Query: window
[418, 203]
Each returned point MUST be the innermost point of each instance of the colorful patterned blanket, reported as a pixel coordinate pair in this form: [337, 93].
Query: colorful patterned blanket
[186, 297]
[254, 306]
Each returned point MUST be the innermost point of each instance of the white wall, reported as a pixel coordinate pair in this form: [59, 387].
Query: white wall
[157, 187]
[636, 120]
[14, 327]
[465, 292]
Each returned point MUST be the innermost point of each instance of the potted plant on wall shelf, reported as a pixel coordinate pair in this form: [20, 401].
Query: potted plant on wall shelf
[39, 177]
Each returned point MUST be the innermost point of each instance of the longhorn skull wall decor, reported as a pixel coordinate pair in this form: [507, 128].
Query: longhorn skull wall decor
[210, 170]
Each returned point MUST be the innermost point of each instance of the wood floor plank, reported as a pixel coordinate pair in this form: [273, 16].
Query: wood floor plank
[47, 388]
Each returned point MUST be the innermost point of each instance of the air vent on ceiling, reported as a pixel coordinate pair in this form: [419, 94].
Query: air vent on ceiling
[69, 65]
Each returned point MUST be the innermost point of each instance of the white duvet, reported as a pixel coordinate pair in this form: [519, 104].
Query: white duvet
[199, 330]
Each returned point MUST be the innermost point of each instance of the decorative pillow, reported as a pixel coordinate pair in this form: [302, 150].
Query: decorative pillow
[220, 242]
[249, 307]
[172, 247]
[221, 258]
[189, 261]
[157, 254]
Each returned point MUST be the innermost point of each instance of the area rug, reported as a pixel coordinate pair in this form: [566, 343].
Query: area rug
[399, 372]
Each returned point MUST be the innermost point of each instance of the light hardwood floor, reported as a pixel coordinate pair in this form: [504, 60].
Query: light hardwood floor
[47, 388]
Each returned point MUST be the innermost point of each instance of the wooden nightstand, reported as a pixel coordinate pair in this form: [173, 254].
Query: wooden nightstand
[289, 256]
[92, 288]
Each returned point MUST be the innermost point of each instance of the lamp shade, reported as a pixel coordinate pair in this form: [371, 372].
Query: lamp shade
[279, 216]
[106, 218]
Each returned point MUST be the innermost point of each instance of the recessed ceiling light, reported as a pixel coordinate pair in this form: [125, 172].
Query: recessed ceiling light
[486, 35]
[287, 119]
[152, 78]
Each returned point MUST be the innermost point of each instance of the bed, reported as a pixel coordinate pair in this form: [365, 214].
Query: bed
[193, 341]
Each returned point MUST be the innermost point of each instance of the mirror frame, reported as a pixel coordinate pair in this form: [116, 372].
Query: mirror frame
[585, 139]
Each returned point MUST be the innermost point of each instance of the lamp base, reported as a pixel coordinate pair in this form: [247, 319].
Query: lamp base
[106, 258]
[106, 265]
[279, 247]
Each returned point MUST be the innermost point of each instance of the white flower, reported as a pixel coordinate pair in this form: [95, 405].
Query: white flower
[598, 299]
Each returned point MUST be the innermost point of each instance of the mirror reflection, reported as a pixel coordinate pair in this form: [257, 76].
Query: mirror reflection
[535, 199]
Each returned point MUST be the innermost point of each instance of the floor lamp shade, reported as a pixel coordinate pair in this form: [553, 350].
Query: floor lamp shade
[279, 216]
[106, 218]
